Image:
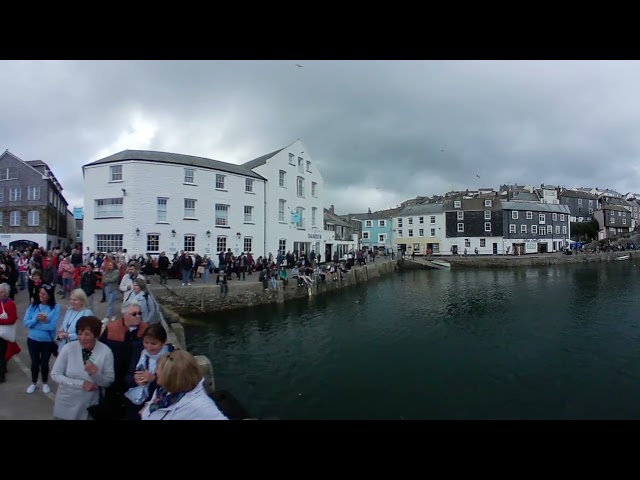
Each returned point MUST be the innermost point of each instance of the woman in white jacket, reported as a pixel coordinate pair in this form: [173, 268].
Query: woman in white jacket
[80, 370]
[181, 395]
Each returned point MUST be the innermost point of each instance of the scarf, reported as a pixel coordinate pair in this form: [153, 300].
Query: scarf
[86, 355]
[148, 362]
[165, 399]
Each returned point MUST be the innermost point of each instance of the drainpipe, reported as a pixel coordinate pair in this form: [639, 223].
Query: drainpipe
[264, 219]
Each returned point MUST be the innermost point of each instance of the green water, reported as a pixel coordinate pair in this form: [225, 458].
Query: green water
[544, 343]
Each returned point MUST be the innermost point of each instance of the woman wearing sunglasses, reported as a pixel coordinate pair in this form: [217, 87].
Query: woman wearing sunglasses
[124, 336]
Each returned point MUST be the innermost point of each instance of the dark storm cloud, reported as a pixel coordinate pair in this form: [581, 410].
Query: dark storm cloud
[380, 131]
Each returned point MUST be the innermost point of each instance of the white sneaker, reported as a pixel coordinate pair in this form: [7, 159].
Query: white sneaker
[183, 284]
[46, 388]
[32, 388]
[188, 284]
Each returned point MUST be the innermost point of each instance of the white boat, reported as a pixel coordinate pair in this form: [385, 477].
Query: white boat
[623, 257]
[442, 263]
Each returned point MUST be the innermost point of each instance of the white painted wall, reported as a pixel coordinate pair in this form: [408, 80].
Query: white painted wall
[475, 242]
[275, 229]
[145, 181]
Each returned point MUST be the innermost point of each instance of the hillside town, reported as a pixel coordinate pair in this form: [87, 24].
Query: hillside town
[143, 203]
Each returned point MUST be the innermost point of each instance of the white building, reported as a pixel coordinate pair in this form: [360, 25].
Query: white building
[148, 202]
[294, 193]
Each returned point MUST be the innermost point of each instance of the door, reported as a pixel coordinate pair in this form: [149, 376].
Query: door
[495, 248]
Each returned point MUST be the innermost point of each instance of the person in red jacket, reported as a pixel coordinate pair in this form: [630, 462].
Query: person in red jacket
[8, 317]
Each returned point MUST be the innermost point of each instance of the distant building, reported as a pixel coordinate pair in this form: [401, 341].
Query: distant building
[612, 220]
[33, 210]
[419, 229]
[581, 204]
[534, 227]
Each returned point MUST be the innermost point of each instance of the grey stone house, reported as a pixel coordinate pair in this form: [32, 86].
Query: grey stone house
[474, 222]
[581, 204]
[33, 210]
[613, 220]
[531, 227]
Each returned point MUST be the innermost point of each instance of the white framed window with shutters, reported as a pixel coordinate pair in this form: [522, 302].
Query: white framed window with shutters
[523, 229]
[248, 214]
[221, 243]
[487, 214]
[161, 210]
[14, 218]
[248, 185]
[109, 208]
[15, 194]
[115, 173]
[33, 193]
[514, 215]
[189, 208]
[512, 228]
[460, 227]
[281, 208]
[248, 244]
[529, 215]
[189, 243]
[282, 179]
[33, 218]
[534, 229]
[153, 242]
[300, 187]
[190, 176]
[460, 215]
[541, 218]
[487, 226]
[108, 242]
[549, 230]
[219, 181]
[222, 215]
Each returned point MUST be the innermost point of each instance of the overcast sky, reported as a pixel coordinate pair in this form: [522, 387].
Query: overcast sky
[380, 131]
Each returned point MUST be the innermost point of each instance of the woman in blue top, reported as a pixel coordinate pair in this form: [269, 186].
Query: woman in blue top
[77, 309]
[41, 320]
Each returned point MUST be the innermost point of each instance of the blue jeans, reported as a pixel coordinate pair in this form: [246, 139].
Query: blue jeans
[67, 282]
[111, 299]
[186, 276]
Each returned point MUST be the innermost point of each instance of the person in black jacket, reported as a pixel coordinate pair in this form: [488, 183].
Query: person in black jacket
[163, 267]
[88, 282]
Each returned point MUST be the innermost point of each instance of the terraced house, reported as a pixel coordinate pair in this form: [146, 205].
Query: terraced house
[377, 229]
[531, 227]
[613, 220]
[474, 222]
[420, 229]
[581, 204]
[33, 210]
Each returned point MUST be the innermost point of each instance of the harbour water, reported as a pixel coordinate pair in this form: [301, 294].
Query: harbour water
[558, 342]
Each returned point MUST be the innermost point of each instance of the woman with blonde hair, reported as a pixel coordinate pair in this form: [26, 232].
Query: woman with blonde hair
[140, 293]
[181, 394]
[78, 308]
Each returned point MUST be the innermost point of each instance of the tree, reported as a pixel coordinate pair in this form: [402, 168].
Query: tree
[584, 231]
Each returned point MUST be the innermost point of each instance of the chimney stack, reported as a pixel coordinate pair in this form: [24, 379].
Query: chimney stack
[331, 209]
[369, 210]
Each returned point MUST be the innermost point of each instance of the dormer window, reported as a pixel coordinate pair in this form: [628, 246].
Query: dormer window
[457, 204]
[488, 203]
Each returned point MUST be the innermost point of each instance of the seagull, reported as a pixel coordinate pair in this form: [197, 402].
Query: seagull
[477, 175]
[298, 65]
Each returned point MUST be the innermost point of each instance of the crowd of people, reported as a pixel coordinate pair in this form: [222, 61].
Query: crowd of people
[118, 367]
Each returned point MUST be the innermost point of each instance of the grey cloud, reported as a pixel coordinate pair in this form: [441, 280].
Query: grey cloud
[380, 131]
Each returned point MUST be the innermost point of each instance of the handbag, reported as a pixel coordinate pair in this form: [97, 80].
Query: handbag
[12, 349]
[7, 332]
[54, 349]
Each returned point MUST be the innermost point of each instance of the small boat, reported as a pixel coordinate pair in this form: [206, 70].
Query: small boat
[623, 257]
[442, 263]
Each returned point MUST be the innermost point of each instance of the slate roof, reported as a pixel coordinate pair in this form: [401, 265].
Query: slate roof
[536, 207]
[578, 194]
[256, 162]
[422, 209]
[176, 159]
[335, 219]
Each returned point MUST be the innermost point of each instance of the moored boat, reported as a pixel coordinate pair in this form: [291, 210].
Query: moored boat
[623, 257]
